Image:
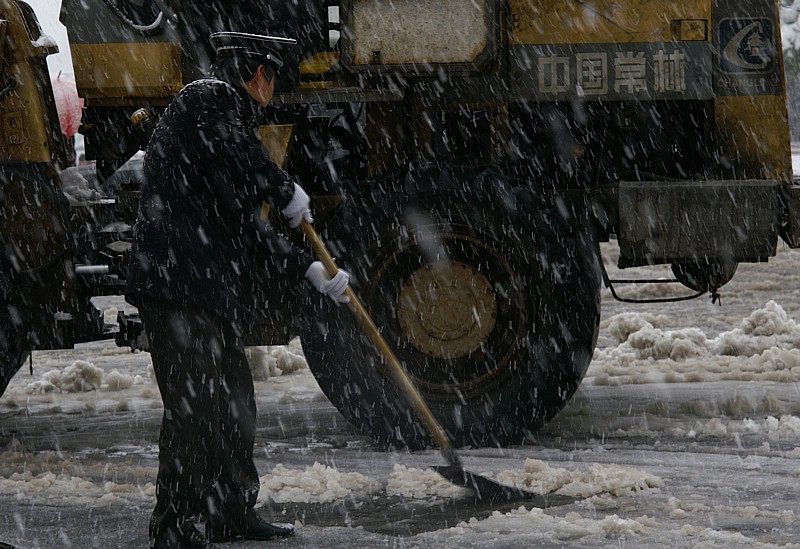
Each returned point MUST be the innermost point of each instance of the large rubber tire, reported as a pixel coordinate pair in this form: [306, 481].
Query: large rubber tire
[491, 305]
[14, 347]
[35, 262]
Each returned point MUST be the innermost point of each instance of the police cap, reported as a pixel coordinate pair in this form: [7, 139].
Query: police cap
[269, 49]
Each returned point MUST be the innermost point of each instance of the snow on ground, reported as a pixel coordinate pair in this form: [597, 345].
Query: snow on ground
[743, 357]
[763, 347]
[315, 483]
[530, 528]
[749, 346]
[633, 348]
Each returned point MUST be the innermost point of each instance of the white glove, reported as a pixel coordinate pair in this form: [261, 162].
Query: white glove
[298, 208]
[334, 287]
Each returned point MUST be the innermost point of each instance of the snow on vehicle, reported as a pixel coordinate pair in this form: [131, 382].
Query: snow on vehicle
[466, 159]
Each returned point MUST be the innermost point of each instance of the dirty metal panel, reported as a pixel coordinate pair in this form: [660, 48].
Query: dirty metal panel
[115, 21]
[750, 109]
[631, 71]
[753, 135]
[663, 222]
[3, 31]
[151, 69]
[406, 33]
[790, 231]
[602, 21]
[29, 130]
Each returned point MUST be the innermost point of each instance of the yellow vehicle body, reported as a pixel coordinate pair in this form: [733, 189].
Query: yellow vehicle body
[752, 128]
[29, 122]
[465, 159]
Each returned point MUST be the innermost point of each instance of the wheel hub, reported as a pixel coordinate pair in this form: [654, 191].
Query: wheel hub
[447, 309]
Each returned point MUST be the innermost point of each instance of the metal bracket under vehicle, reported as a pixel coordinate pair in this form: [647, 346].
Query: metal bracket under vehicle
[609, 283]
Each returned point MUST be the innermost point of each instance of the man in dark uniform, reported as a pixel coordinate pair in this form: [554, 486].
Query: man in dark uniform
[199, 254]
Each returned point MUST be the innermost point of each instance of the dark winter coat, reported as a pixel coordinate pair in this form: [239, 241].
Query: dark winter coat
[198, 238]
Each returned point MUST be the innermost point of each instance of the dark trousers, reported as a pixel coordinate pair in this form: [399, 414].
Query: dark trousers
[207, 435]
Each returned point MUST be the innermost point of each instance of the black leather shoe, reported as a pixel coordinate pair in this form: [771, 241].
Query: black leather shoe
[253, 527]
[184, 536]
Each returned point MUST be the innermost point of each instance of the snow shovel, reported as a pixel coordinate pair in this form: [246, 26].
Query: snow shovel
[484, 488]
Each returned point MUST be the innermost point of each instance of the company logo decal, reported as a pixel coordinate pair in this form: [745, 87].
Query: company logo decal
[747, 45]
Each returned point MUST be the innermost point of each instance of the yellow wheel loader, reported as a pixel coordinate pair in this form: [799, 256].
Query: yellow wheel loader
[466, 158]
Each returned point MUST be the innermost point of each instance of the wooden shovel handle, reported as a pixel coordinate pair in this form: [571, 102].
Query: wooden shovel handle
[398, 373]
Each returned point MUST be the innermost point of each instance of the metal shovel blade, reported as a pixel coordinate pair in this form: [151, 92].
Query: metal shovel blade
[488, 490]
